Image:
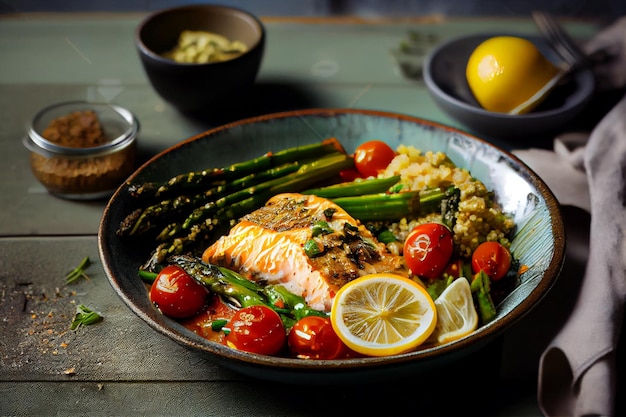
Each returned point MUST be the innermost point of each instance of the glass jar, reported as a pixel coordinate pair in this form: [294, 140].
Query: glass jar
[82, 150]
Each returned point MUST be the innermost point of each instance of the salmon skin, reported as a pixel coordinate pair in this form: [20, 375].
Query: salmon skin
[268, 246]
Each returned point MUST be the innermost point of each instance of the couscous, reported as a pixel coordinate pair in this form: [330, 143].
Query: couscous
[478, 219]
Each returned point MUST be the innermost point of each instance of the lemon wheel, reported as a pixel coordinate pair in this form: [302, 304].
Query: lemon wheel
[383, 314]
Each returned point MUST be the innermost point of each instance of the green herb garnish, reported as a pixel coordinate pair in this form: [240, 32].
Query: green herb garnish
[84, 317]
[321, 228]
[78, 272]
[311, 248]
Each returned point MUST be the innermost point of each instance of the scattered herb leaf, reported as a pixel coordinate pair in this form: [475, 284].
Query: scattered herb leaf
[79, 271]
[84, 317]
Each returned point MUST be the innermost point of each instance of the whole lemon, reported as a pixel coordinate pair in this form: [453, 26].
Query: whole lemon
[505, 71]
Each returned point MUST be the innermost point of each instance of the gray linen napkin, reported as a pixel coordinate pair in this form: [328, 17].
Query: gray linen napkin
[577, 370]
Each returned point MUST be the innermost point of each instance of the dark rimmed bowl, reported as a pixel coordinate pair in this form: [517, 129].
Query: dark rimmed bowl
[444, 76]
[192, 87]
[539, 242]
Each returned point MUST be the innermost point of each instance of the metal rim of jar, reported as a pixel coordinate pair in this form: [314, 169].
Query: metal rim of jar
[37, 143]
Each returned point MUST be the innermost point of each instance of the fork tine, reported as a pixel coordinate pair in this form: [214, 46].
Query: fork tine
[547, 29]
[567, 41]
[561, 41]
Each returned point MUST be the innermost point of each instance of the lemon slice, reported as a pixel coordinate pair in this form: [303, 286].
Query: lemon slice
[456, 314]
[383, 314]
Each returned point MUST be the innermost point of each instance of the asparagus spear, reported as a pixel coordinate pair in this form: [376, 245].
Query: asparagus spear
[254, 197]
[354, 188]
[481, 289]
[243, 292]
[394, 206]
[166, 210]
[144, 220]
[201, 230]
[202, 212]
[450, 207]
[217, 282]
[197, 179]
[295, 304]
[373, 207]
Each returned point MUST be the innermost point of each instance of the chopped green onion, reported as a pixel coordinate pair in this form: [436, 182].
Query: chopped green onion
[386, 237]
[311, 248]
[217, 325]
[321, 228]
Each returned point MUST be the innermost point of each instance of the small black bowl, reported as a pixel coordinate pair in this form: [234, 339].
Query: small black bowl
[200, 87]
[444, 76]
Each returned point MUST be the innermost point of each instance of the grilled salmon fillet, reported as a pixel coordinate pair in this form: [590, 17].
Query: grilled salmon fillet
[268, 246]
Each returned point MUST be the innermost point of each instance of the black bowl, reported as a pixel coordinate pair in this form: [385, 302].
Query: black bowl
[444, 76]
[192, 87]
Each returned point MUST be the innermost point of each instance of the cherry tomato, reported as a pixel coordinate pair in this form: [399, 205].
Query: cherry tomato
[256, 329]
[373, 156]
[177, 294]
[349, 175]
[492, 258]
[313, 337]
[427, 249]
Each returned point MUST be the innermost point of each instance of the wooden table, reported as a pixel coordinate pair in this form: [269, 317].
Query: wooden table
[123, 367]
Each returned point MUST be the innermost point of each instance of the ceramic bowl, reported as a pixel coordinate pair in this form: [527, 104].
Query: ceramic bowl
[538, 243]
[444, 75]
[195, 87]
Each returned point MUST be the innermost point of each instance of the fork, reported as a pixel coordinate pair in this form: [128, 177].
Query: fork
[561, 41]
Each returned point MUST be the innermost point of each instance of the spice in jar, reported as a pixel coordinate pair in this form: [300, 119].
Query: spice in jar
[74, 157]
[79, 129]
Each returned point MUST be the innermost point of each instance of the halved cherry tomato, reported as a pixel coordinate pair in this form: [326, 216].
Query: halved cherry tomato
[427, 250]
[177, 294]
[256, 329]
[492, 258]
[313, 337]
[372, 157]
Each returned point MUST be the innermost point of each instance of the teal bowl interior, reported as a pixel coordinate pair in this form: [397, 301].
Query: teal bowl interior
[539, 242]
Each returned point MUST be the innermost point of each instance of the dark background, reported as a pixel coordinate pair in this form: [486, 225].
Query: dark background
[362, 8]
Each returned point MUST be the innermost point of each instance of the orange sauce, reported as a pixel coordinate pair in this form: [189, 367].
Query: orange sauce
[201, 324]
